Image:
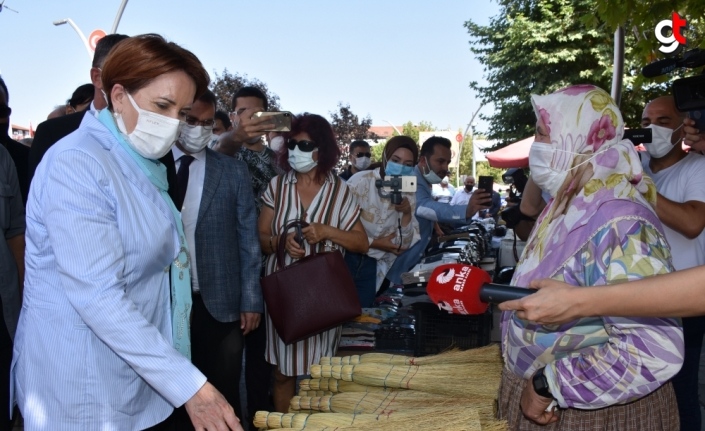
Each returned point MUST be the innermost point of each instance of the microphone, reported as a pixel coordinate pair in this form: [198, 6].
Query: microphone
[660, 67]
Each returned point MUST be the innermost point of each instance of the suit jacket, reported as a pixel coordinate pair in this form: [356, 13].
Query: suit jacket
[228, 255]
[50, 132]
[20, 154]
[93, 348]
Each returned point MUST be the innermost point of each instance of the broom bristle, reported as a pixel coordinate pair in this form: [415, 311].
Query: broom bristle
[486, 354]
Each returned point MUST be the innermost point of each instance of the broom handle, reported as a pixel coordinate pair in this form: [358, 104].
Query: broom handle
[491, 293]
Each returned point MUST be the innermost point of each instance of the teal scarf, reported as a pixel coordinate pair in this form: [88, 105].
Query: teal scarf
[180, 268]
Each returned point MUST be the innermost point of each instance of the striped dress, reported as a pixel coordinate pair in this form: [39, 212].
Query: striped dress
[333, 205]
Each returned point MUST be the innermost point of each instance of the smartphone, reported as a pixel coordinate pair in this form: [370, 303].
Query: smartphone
[408, 183]
[280, 119]
[699, 118]
[486, 183]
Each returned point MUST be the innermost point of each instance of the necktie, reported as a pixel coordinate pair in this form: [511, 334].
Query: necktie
[182, 180]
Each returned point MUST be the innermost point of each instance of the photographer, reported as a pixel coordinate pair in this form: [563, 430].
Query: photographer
[680, 205]
[388, 218]
[433, 163]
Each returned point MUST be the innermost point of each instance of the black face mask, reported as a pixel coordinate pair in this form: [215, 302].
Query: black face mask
[469, 188]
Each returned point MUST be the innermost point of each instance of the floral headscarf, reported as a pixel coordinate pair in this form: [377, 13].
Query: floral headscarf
[586, 128]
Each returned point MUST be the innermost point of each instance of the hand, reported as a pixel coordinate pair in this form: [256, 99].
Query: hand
[249, 322]
[315, 233]
[404, 207]
[209, 411]
[385, 244]
[480, 200]
[534, 406]
[293, 248]
[438, 230]
[554, 303]
[693, 137]
[248, 127]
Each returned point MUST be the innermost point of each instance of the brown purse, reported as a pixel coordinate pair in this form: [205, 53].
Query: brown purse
[312, 295]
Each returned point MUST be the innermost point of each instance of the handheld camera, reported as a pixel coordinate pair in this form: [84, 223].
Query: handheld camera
[393, 186]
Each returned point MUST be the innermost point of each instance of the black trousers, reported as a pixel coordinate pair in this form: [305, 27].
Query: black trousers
[258, 373]
[5, 361]
[216, 350]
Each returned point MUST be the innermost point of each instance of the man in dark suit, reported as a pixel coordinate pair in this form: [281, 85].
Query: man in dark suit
[51, 131]
[18, 152]
[220, 224]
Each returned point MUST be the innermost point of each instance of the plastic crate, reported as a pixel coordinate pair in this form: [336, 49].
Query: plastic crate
[437, 330]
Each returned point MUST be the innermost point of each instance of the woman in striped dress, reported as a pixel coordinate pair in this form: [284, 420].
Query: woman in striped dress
[312, 192]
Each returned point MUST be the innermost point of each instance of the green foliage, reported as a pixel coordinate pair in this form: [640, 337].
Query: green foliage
[412, 130]
[540, 46]
[377, 151]
[226, 85]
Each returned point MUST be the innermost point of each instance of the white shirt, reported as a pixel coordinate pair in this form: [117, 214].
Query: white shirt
[461, 197]
[682, 182]
[192, 203]
[380, 219]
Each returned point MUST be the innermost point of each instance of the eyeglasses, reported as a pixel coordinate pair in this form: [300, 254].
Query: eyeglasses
[305, 146]
[367, 154]
[5, 111]
[193, 121]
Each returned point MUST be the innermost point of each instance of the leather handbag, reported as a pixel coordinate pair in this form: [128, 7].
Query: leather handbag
[311, 295]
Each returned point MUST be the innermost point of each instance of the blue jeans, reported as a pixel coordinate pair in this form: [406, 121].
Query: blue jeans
[364, 272]
[685, 383]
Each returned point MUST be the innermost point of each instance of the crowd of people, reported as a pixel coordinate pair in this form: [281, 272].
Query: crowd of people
[132, 294]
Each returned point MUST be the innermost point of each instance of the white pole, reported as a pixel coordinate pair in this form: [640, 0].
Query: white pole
[78, 32]
[118, 16]
[469, 127]
[393, 126]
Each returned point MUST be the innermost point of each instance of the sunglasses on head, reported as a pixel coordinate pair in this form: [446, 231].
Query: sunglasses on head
[305, 146]
[5, 111]
[367, 154]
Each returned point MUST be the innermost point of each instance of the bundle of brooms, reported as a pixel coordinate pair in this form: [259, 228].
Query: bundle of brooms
[425, 419]
[335, 386]
[487, 354]
[379, 403]
[470, 379]
[457, 384]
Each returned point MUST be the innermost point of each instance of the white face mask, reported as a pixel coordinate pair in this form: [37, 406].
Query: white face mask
[276, 143]
[301, 161]
[195, 138]
[661, 140]
[362, 163]
[544, 176]
[154, 134]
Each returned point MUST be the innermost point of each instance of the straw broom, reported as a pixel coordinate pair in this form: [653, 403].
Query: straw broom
[335, 386]
[430, 421]
[378, 403]
[418, 419]
[455, 380]
[487, 354]
[303, 393]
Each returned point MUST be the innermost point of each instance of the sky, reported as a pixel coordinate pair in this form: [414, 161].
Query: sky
[394, 60]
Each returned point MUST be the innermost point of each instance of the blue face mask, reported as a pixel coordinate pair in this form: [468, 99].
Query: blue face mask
[431, 176]
[394, 168]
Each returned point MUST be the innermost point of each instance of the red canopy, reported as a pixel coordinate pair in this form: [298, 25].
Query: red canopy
[514, 155]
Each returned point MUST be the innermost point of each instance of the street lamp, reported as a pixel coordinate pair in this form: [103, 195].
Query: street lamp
[79, 32]
[393, 126]
[121, 9]
[472, 138]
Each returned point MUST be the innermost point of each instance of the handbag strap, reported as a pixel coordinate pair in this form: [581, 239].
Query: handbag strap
[281, 250]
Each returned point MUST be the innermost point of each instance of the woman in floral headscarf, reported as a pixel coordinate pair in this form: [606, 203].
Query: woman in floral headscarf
[599, 227]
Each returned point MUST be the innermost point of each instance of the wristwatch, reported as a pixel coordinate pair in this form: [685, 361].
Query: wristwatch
[540, 383]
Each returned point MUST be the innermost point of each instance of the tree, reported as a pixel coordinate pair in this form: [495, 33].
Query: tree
[348, 127]
[539, 46]
[641, 18]
[412, 130]
[224, 86]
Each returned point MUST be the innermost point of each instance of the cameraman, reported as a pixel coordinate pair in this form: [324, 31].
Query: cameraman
[433, 163]
[680, 205]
